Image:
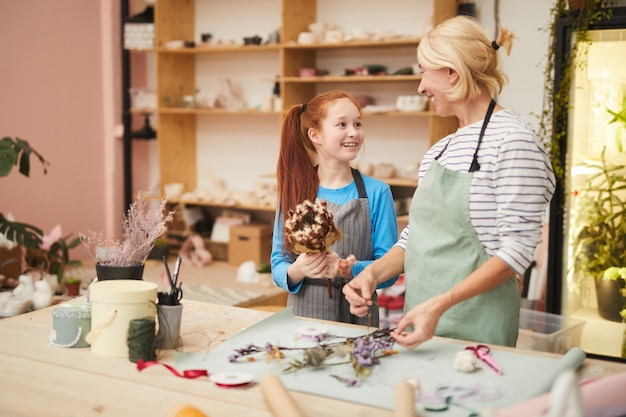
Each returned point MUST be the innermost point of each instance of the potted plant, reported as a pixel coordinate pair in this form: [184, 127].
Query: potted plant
[618, 275]
[72, 285]
[264, 271]
[143, 226]
[599, 237]
[53, 255]
[16, 152]
[49, 254]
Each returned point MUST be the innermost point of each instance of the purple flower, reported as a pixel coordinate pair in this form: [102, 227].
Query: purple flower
[348, 382]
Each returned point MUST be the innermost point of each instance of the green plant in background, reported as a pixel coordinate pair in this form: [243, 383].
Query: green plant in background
[599, 239]
[264, 268]
[52, 258]
[16, 152]
[621, 118]
[72, 280]
[613, 274]
[55, 258]
[556, 98]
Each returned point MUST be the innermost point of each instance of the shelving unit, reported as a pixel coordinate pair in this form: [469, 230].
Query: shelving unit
[177, 72]
[129, 114]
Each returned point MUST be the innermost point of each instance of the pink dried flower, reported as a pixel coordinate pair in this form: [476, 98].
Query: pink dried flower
[142, 227]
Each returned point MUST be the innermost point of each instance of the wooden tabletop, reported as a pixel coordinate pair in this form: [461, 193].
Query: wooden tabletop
[39, 379]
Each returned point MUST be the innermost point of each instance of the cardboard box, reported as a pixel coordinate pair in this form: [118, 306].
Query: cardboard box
[218, 250]
[548, 332]
[250, 242]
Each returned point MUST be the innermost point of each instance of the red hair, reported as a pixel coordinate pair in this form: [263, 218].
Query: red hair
[296, 174]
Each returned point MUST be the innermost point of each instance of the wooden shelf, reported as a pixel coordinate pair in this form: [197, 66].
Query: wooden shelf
[143, 111]
[356, 44]
[220, 49]
[264, 209]
[352, 78]
[199, 110]
[400, 182]
[178, 71]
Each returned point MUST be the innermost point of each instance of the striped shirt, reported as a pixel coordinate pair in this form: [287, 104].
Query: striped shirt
[511, 191]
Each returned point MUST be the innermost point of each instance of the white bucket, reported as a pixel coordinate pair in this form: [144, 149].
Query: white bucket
[113, 305]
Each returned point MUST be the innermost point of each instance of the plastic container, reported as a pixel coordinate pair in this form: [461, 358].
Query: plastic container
[114, 304]
[548, 332]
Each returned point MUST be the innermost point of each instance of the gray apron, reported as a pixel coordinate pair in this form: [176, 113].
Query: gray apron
[353, 219]
[443, 249]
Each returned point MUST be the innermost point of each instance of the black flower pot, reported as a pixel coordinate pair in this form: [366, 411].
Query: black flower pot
[108, 272]
[610, 300]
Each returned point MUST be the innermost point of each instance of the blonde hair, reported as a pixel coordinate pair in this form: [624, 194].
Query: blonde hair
[461, 44]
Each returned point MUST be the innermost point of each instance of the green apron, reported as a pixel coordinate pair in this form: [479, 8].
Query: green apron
[443, 249]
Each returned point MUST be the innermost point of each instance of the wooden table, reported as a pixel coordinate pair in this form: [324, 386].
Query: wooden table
[38, 379]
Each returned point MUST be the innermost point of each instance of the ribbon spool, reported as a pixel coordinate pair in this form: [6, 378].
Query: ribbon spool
[312, 332]
[232, 379]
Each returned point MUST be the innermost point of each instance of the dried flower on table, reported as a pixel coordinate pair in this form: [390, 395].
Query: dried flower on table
[363, 353]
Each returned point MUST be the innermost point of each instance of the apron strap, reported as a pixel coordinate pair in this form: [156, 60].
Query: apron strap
[358, 180]
[475, 166]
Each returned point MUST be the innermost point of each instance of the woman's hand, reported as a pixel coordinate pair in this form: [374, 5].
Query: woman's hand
[358, 292]
[424, 317]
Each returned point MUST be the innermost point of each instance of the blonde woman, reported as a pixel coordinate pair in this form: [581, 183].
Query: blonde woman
[476, 216]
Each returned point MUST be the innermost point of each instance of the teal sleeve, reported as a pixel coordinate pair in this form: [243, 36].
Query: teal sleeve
[280, 260]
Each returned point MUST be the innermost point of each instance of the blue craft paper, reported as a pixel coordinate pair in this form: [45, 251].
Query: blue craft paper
[432, 363]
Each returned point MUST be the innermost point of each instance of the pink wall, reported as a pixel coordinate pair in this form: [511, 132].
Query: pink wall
[59, 82]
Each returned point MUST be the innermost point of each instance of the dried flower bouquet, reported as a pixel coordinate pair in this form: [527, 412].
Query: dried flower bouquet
[142, 227]
[310, 228]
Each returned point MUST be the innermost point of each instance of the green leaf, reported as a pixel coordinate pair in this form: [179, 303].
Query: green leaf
[12, 150]
[25, 163]
[21, 233]
[8, 159]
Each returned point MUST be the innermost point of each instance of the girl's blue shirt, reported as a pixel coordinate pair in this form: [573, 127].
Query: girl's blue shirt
[382, 219]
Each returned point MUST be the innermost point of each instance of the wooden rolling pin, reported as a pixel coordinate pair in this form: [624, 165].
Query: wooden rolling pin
[278, 398]
[405, 400]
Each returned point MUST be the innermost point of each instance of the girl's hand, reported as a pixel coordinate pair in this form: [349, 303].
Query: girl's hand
[338, 267]
[312, 265]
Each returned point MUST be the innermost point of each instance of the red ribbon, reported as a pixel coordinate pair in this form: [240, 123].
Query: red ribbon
[190, 373]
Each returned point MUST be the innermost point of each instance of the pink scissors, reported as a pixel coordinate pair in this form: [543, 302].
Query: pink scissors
[482, 353]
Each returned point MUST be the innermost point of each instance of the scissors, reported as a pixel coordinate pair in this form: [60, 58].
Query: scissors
[482, 353]
[177, 293]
